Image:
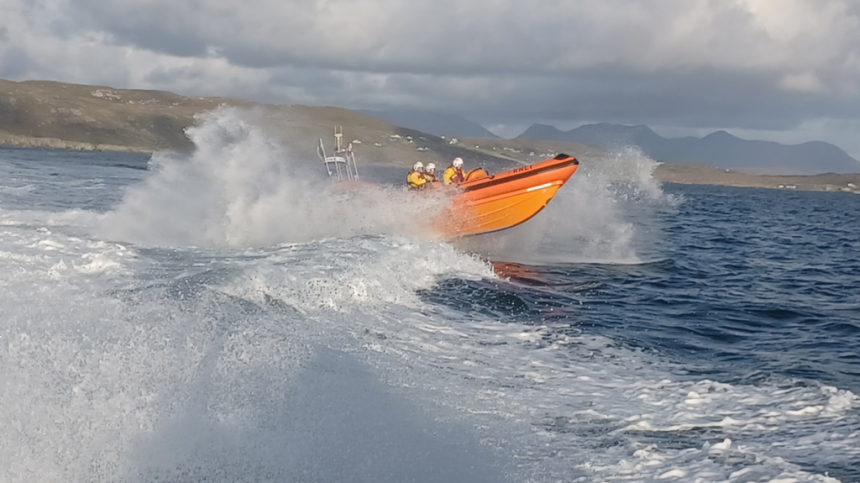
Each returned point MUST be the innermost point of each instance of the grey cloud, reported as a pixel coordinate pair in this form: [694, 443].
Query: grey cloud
[164, 76]
[14, 63]
[325, 82]
[140, 26]
[696, 99]
[203, 80]
[701, 98]
[559, 60]
[448, 37]
[692, 63]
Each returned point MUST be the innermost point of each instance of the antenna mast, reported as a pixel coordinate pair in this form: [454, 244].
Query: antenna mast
[346, 157]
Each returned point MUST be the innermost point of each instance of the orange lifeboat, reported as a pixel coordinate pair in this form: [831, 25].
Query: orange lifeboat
[486, 203]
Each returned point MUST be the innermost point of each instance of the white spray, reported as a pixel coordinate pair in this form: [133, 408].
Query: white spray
[242, 188]
[605, 213]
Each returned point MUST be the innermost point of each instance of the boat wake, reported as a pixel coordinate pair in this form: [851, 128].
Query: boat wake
[215, 334]
[241, 188]
[607, 213]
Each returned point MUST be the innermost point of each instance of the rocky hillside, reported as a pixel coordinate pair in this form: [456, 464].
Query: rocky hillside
[69, 116]
[58, 115]
[52, 114]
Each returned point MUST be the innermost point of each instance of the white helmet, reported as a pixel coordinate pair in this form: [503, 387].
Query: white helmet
[458, 163]
[418, 166]
[431, 167]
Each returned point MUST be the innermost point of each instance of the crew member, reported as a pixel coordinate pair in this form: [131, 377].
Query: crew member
[415, 179]
[454, 173]
[430, 173]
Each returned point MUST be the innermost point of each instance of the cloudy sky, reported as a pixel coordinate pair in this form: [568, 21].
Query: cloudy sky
[787, 70]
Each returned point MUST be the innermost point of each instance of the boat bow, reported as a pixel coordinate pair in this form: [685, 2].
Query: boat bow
[504, 200]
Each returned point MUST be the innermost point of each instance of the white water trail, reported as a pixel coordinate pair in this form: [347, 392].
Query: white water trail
[124, 364]
[110, 376]
[242, 188]
[606, 213]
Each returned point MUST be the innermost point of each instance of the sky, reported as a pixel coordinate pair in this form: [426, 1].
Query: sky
[784, 70]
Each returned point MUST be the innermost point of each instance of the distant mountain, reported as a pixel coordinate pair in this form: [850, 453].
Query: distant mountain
[433, 123]
[719, 149]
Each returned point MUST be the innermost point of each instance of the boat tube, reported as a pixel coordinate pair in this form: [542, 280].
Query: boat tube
[483, 203]
[487, 203]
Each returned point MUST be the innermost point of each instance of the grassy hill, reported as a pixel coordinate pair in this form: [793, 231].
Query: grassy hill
[70, 116]
[53, 114]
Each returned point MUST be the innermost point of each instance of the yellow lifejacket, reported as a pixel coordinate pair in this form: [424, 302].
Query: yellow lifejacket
[453, 175]
[415, 180]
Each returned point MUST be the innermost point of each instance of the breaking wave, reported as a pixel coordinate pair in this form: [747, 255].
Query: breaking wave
[250, 331]
[241, 188]
[606, 213]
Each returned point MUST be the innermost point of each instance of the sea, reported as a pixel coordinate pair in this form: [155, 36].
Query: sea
[229, 315]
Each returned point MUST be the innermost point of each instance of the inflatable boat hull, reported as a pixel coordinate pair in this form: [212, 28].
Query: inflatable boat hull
[505, 200]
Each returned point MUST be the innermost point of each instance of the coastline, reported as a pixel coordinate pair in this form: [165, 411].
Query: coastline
[54, 115]
[696, 173]
[674, 173]
[19, 141]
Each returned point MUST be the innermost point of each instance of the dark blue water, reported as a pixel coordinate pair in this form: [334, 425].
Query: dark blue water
[749, 286]
[749, 283]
